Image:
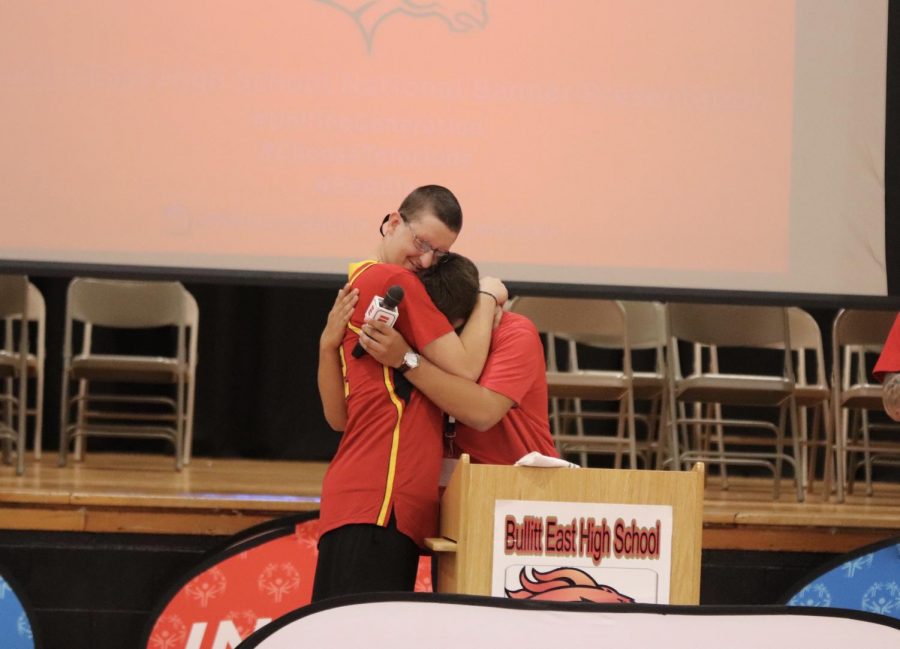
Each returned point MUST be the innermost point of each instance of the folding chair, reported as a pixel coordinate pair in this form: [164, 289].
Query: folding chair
[646, 323]
[14, 367]
[604, 323]
[714, 328]
[36, 317]
[813, 394]
[192, 323]
[857, 338]
[113, 304]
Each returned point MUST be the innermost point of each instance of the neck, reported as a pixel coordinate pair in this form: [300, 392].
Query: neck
[379, 253]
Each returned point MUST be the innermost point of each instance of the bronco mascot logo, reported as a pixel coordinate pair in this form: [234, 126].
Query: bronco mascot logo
[566, 585]
[459, 15]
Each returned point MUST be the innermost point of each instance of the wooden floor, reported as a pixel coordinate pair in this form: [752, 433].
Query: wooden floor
[143, 494]
[746, 517]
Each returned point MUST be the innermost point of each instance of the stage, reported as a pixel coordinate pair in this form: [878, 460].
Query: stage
[143, 494]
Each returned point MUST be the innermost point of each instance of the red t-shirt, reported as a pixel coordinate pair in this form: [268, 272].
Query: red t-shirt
[389, 457]
[889, 361]
[515, 368]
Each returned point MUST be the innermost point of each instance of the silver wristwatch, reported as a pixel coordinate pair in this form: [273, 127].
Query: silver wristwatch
[410, 362]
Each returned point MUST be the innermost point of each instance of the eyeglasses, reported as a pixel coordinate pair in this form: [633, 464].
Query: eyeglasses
[421, 245]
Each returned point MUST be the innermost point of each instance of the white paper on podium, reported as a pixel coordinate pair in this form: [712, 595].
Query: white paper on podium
[544, 461]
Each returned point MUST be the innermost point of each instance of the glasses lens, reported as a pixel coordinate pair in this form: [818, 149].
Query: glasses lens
[421, 245]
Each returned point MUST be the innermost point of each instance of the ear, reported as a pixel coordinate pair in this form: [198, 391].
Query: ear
[394, 221]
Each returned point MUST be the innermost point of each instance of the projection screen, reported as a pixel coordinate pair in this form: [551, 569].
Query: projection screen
[696, 144]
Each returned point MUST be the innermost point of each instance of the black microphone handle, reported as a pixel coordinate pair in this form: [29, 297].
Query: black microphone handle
[393, 296]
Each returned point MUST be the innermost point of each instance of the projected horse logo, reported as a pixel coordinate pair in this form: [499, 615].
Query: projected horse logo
[458, 15]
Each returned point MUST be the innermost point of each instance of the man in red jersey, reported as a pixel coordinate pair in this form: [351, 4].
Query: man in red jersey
[379, 496]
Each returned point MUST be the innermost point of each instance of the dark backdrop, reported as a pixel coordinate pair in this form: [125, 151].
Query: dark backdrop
[256, 375]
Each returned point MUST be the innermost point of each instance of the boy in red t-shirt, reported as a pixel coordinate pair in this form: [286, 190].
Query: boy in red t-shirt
[502, 416]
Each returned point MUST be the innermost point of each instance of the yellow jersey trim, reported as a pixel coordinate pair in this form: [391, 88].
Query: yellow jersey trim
[395, 447]
[354, 271]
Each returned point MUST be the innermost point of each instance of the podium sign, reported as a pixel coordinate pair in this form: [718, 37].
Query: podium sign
[570, 551]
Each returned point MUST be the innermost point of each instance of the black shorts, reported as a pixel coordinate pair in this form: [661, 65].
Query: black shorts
[365, 559]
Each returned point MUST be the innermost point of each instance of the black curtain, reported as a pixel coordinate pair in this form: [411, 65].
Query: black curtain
[892, 152]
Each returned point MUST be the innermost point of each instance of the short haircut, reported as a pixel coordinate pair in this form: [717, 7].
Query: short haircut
[435, 199]
[452, 284]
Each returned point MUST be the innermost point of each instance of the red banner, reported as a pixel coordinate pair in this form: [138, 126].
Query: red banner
[243, 588]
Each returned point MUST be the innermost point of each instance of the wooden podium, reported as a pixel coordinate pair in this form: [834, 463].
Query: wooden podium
[467, 515]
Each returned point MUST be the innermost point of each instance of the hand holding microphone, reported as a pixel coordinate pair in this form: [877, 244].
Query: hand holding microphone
[382, 309]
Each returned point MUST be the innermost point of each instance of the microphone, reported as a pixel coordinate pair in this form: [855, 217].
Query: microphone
[382, 309]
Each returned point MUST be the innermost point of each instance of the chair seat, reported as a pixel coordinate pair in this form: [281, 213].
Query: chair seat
[589, 442]
[118, 367]
[810, 395]
[590, 385]
[867, 396]
[9, 364]
[734, 389]
[648, 385]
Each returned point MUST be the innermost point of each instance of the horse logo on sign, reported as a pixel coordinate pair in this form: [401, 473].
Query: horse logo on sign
[566, 585]
[458, 15]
